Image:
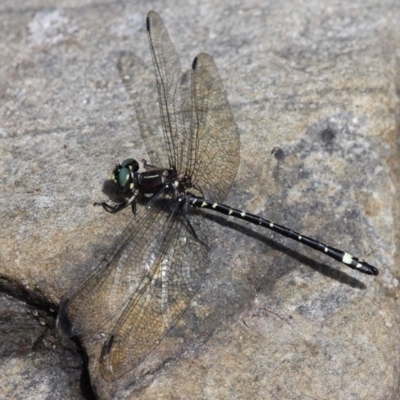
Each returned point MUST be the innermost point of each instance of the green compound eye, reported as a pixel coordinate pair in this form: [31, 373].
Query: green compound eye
[123, 173]
[130, 163]
[123, 177]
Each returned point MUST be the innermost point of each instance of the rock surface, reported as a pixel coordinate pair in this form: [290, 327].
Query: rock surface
[314, 91]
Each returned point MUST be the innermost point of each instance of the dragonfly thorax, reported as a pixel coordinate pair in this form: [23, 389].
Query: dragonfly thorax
[152, 180]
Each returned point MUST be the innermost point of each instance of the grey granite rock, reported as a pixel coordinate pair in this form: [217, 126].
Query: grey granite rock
[314, 90]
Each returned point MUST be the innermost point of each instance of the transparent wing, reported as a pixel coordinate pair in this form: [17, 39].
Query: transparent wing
[214, 149]
[137, 294]
[171, 96]
[200, 134]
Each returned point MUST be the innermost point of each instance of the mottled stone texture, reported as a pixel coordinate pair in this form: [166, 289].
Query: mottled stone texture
[314, 90]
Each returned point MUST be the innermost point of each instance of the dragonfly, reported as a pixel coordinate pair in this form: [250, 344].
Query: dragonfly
[141, 289]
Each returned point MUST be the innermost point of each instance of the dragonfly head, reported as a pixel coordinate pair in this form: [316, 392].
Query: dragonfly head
[123, 174]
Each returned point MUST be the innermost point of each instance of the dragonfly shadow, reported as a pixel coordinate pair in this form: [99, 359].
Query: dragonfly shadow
[111, 191]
